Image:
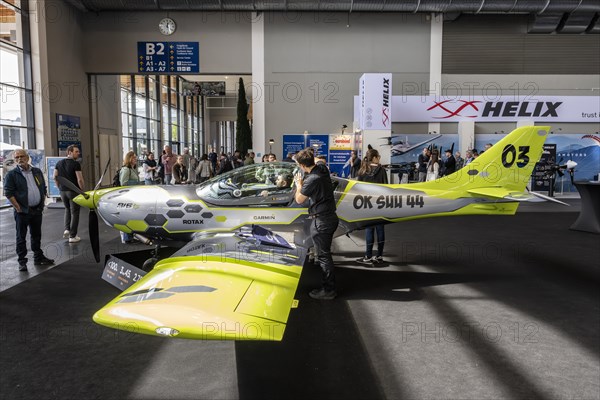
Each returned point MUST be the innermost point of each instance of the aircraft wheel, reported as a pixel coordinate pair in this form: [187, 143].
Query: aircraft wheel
[149, 264]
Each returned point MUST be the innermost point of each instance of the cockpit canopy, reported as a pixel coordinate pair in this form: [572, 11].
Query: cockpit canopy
[265, 184]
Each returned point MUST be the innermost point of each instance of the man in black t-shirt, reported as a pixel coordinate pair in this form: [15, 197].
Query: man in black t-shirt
[317, 187]
[70, 169]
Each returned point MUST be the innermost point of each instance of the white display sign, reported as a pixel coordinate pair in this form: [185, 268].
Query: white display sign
[341, 142]
[375, 102]
[496, 109]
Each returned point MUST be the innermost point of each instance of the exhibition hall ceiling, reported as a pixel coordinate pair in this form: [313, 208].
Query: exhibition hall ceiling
[548, 16]
[447, 6]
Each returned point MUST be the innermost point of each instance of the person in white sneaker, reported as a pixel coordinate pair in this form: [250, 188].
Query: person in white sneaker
[69, 168]
[372, 171]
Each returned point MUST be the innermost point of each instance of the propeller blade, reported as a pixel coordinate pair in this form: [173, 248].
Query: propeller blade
[71, 186]
[102, 176]
[94, 234]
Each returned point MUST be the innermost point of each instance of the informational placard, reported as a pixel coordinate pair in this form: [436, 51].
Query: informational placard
[293, 144]
[168, 57]
[53, 190]
[121, 274]
[318, 142]
[542, 177]
[340, 147]
[68, 129]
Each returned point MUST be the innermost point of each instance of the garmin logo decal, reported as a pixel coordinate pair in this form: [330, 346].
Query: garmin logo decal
[264, 217]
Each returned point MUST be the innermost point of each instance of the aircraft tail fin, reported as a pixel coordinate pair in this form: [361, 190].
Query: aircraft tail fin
[508, 165]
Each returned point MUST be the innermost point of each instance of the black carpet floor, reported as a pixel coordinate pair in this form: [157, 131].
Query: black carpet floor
[356, 347]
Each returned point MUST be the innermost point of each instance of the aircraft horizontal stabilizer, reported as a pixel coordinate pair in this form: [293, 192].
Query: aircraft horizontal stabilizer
[502, 193]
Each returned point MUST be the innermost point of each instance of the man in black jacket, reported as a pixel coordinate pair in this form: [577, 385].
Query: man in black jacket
[25, 188]
[449, 164]
[317, 187]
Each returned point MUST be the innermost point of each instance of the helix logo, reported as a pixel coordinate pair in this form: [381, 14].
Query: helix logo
[385, 119]
[456, 113]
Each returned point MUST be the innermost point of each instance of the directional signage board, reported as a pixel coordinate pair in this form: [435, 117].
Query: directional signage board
[168, 57]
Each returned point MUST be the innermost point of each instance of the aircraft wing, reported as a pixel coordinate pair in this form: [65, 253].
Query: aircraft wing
[224, 286]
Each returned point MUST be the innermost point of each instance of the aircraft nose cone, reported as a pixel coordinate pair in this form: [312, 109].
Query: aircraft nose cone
[83, 202]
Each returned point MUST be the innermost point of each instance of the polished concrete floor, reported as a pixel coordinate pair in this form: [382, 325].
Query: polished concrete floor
[464, 308]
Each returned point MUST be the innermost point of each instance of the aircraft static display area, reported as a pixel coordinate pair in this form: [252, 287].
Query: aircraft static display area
[189, 295]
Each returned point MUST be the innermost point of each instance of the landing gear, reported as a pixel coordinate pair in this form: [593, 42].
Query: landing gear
[149, 263]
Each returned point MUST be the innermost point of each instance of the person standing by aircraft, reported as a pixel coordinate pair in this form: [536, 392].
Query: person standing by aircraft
[25, 189]
[204, 170]
[168, 160]
[433, 167]
[317, 187]
[354, 163]
[372, 171]
[150, 169]
[422, 164]
[459, 160]
[180, 171]
[69, 168]
[128, 176]
[449, 164]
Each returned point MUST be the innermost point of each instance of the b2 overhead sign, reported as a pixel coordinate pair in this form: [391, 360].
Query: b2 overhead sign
[168, 57]
[497, 109]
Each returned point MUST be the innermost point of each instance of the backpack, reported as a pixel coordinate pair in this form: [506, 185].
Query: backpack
[116, 182]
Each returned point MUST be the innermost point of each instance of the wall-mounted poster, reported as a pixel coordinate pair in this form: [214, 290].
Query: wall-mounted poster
[340, 147]
[584, 150]
[318, 142]
[487, 138]
[406, 148]
[51, 162]
[36, 158]
[212, 89]
[292, 144]
[540, 178]
[68, 128]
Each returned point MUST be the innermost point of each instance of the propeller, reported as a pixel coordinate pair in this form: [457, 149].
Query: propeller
[93, 217]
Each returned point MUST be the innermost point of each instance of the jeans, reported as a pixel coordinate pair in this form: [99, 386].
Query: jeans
[148, 182]
[321, 231]
[71, 212]
[33, 220]
[168, 178]
[370, 238]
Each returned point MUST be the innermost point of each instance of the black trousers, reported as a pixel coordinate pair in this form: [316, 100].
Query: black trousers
[322, 229]
[33, 221]
[71, 212]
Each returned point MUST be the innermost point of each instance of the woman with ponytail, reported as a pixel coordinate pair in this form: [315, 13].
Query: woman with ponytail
[372, 171]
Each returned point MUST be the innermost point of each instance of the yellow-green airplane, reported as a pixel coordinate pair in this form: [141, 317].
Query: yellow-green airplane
[233, 277]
